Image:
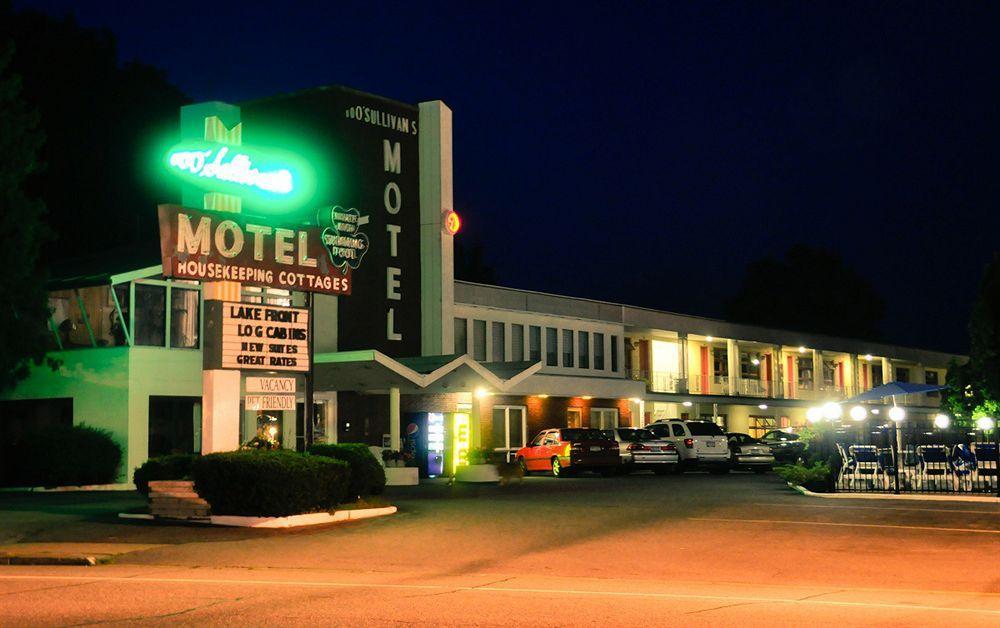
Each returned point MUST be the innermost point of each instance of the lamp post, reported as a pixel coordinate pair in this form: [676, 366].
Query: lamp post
[896, 416]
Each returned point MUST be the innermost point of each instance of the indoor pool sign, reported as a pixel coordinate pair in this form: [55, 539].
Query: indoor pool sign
[343, 239]
[263, 173]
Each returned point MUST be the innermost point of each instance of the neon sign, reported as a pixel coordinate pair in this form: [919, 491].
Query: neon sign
[461, 440]
[264, 173]
[452, 223]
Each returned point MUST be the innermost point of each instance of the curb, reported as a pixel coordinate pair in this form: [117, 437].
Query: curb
[73, 561]
[92, 488]
[980, 499]
[295, 521]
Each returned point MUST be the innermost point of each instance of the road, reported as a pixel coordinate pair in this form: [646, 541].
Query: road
[638, 550]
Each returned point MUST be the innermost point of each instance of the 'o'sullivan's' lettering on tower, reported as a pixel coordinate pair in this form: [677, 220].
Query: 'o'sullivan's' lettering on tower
[203, 246]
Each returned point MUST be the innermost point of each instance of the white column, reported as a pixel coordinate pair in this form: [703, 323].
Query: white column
[330, 418]
[887, 373]
[220, 411]
[817, 371]
[394, 442]
[732, 364]
[682, 351]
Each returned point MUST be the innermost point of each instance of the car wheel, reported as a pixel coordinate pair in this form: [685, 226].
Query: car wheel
[557, 470]
[524, 467]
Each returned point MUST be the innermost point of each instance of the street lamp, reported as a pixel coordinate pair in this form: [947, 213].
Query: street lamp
[942, 421]
[897, 414]
[984, 423]
[858, 413]
[814, 414]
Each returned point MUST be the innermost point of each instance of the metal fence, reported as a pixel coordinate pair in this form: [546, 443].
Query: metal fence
[913, 458]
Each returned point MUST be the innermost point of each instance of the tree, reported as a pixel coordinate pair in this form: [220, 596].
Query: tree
[974, 387]
[24, 308]
[808, 290]
[101, 119]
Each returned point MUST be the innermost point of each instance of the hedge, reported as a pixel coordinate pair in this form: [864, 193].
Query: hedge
[367, 474]
[269, 483]
[62, 455]
[172, 467]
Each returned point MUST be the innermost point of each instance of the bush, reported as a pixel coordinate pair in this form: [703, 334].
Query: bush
[815, 478]
[173, 467]
[62, 455]
[269, 483]
[367, 475]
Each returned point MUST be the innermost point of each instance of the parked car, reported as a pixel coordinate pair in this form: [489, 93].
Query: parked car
[641, 449]
[749, 453]
[566, 451]
[700, 444]
[786, 446]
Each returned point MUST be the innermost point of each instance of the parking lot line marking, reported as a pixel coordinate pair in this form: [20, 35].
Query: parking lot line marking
[814, 601]
[846, 525]
[939, 510]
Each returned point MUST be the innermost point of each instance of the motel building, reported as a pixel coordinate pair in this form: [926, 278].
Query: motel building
[323, 222]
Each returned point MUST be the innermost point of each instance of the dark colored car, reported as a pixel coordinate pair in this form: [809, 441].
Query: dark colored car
[565, 451]
[749, 453]
[786, 446]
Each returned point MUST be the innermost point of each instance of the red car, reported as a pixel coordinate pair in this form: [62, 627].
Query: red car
[566, 451]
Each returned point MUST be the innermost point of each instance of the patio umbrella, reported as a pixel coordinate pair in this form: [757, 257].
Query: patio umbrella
[893, 389]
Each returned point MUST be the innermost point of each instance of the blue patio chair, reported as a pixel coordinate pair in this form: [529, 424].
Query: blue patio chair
[963, 465]
[933, 467]
[985, 473]
[866, 467]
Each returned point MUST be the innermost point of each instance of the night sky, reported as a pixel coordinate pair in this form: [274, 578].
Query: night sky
[645, 154]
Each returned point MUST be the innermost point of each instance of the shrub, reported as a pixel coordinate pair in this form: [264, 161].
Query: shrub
[63, 455]
[367, 475]
[173, 467]
[815, 478]
[269, 483]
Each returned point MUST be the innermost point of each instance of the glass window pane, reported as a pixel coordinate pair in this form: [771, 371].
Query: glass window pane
[184, 306]
[479, 340]
[567, 347]
[599, 351]
[515, 417]
[517, 343]
[551, 347]
[535, 343]
[461, 336]
[499, 341]
[614, 354]
[499, 429]
[150, 315]
[584, 350]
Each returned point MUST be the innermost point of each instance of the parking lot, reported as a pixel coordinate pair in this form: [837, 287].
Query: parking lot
[696, 548]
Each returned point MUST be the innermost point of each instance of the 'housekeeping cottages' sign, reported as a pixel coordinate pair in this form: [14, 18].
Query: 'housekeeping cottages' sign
[263, 337]
[224, 247]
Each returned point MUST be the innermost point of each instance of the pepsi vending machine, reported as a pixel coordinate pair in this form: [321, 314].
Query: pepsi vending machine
[424, 441]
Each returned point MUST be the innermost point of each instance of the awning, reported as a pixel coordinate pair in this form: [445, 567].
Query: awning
[893, 389]
[373, 371]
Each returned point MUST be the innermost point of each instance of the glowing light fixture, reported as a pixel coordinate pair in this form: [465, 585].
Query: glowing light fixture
[868, 357]
[802, 349]
[452, 223]
[709, 339]
[814, 415]
[755, 361]
[762, 406]
[482, 393]
[687, 404]
[985, 423]
[832, 411]
[858, 413]
[897, 414]
[635, 400]
[942, 421]
[586, 397]
[876, 411]
[542, 396]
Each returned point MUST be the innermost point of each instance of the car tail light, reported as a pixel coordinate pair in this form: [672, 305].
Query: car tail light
[637, 447]
[689, 442]
[669, 447]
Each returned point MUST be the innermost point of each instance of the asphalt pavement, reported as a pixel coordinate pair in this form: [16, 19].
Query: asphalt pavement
[638, 550]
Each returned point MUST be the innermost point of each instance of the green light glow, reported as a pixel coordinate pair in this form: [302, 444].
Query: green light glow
[272, 177]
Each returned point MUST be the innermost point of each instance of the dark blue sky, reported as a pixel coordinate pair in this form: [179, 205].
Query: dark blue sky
[645, 153]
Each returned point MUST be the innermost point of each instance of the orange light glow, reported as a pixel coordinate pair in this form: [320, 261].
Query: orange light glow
[452, 223]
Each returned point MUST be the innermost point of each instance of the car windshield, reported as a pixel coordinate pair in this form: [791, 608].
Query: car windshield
[636, 435]
[783, 436]
[704, 429]
[579, 433]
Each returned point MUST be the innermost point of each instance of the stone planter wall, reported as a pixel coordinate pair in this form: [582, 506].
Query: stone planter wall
[176, 499]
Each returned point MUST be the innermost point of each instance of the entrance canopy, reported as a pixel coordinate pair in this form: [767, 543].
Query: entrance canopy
[371, 371]
[894, 389]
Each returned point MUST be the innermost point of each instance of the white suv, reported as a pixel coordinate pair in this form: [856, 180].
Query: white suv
[699, 443]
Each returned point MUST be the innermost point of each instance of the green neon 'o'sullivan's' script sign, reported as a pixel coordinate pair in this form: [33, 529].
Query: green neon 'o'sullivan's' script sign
[264, 174]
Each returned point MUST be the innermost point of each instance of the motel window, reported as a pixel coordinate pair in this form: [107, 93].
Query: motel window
[509, 428]
[551, 347]
[805, 372]
[877, 375]
[584, 350]
[902, 375]
[614, 354]
[567, 347]
[599, 351]
[85, 317]
[150, 315]
[829, 368]
[499, 340]
[479, 340]
[749, 370]
[517, 343]
[720, 362]
[534, 343]
[184, 319]
[461, 336]
[174, 425]
[931, 379]
[760, 425]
